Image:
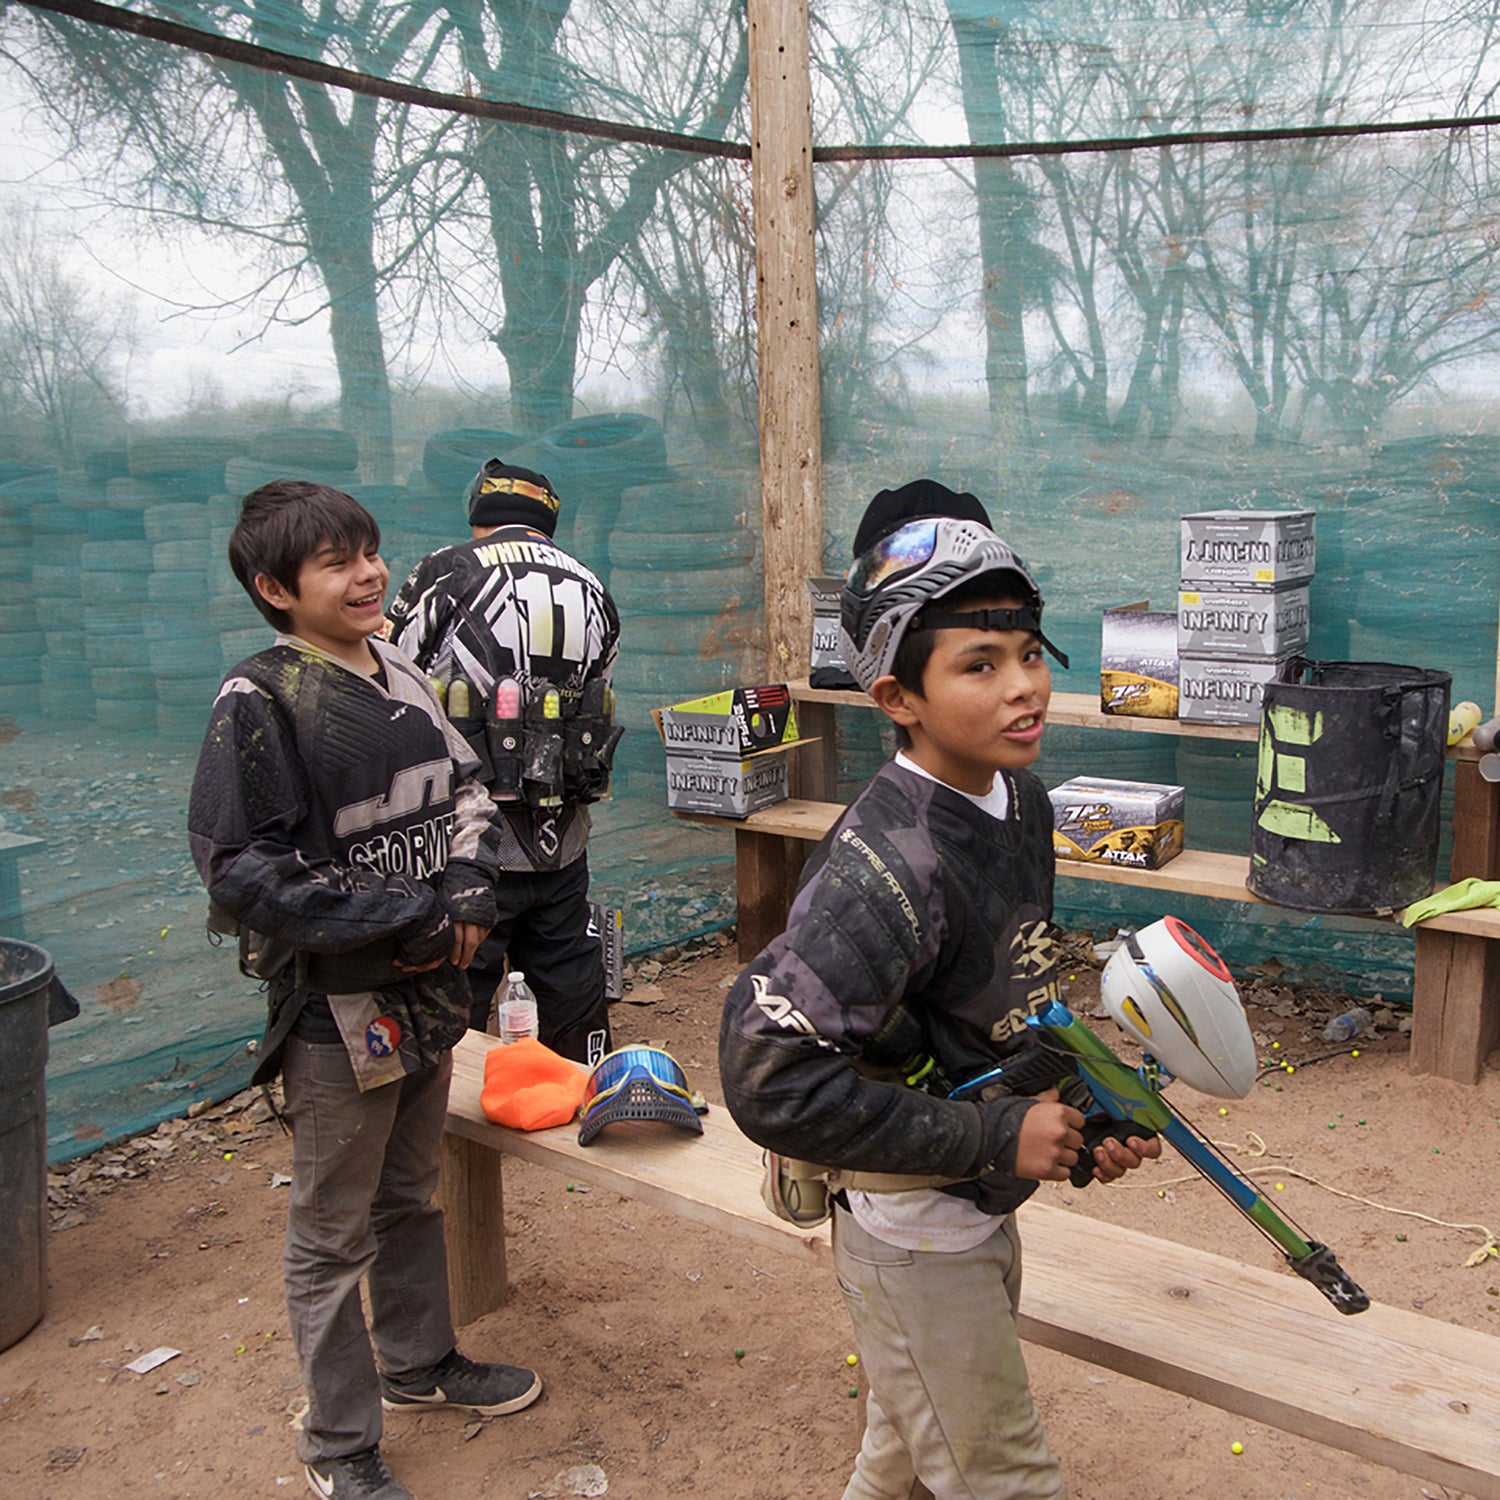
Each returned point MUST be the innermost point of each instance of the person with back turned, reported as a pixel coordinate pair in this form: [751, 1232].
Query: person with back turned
[520, 638]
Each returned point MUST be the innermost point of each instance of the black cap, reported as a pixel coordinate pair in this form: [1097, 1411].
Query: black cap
[892, 509]
[504, 495]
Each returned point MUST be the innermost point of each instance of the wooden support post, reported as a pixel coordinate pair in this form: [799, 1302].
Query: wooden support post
[1455, 1005]
[1456, 989]
[781, 169]
[815, 769]
[761, 889]
[473, 1201]
[1476, 824]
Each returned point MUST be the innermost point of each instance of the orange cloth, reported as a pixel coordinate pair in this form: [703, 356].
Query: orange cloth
[528, 1086]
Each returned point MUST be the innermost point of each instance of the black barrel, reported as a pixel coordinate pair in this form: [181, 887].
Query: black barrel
[1348, 782]
[31, 999]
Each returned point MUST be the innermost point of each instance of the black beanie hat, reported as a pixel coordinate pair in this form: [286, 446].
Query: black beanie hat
[504, 495]
[891, 509]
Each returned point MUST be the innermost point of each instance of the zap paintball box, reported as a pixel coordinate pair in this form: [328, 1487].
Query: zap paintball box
[1138, 663]
[1136, 823]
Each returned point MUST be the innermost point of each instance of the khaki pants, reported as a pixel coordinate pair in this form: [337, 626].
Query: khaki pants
[364, 1169]
[949, 1406]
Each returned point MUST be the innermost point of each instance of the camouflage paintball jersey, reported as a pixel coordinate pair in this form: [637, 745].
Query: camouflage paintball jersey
[917, 897]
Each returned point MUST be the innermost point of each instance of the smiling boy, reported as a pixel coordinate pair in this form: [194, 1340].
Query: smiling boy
[337, 822]
[918, 943]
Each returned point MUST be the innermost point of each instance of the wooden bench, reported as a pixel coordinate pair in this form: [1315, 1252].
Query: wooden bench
[1456, 986]
[1389, 1386]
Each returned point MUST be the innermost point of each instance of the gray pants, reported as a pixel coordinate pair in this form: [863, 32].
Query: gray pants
[364, 1169]
[949, 1406]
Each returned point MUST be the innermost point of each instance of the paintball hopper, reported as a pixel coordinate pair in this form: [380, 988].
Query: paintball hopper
[1169, 990]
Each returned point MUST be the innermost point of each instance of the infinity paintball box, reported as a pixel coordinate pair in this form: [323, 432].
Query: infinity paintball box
[1138, 663]
[827, 668]
[726, 753]
[1244, 548]
[1136, 823]
[1242, 622]
[607, 923]
[1224, 689]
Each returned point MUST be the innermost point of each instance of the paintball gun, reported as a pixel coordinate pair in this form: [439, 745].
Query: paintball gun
[1167, 988]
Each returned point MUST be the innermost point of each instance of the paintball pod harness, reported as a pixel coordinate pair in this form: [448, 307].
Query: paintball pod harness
[554, 751]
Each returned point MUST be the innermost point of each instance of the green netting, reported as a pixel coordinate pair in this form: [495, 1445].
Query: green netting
[1250, 290]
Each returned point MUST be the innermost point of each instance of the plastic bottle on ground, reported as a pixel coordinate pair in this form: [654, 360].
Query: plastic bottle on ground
[1351, 1024]
[515, 1009]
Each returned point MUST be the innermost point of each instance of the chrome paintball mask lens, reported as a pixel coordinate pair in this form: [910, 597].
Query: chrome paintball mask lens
[637, 1083]
[905, 548]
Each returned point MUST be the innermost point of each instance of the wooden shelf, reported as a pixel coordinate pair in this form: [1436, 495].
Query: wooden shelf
[1194, 872]
[1081, 711]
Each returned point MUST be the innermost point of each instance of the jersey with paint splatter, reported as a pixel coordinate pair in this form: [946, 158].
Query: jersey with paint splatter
[339, 816]
[916, 897]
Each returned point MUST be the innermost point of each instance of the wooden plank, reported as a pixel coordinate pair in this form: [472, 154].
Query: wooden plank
[1388, 1385]
[1081, 710]
[1194, 872]
[472, 1199]
[781, 173]
[713, 1179]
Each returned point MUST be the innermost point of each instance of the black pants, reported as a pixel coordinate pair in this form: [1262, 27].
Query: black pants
[544, 931]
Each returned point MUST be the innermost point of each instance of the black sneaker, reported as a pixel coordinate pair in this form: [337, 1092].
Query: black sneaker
[490, 1390]
[357, 1476]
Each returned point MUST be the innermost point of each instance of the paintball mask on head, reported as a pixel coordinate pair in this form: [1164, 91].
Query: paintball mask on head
[894, 580]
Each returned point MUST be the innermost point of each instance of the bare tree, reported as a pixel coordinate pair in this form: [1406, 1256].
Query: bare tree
[1316, 270]
[63, 343]
[561, 210]
[294, 167]
[1011, 266]
[1406, 290]
[694, 267]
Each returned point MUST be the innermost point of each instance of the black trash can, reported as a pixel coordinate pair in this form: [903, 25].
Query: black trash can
[1348, 783]
[31, 999]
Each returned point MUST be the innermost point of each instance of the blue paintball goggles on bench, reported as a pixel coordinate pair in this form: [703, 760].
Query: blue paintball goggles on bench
[637, 1083]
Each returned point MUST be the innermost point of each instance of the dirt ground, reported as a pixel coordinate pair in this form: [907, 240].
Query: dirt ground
[682, 1361]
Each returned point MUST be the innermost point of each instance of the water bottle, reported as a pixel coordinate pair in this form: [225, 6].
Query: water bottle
[515, 1010]
[1351, 1024]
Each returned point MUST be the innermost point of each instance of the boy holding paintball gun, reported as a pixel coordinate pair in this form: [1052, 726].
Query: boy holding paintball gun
[921, 940]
